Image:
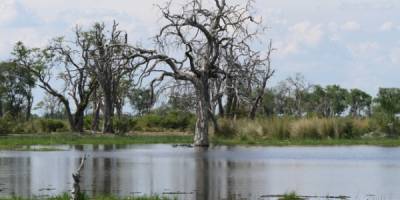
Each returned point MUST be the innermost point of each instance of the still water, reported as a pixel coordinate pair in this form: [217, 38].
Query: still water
[217, 173]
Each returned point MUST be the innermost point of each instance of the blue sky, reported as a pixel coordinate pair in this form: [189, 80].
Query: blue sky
[354, 43]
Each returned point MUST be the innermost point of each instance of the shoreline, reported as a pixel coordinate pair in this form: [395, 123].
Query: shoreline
[18, 142]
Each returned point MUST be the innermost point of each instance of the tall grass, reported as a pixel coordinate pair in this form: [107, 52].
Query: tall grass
[290, 128]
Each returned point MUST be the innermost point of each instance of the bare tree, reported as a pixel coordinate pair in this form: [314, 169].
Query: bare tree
[261, 73]
[194, 38]
[109, 63]
[78, 86]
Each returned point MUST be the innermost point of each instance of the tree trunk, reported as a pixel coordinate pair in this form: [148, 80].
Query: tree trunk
[1, 108]
[78, 121]
[29, 107]
[118, 108]
[254, 108]
[96, 116]
[221, 107]
[203, 114]
[108, 113]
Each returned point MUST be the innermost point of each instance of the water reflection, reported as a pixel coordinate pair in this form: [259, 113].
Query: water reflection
[215, 173]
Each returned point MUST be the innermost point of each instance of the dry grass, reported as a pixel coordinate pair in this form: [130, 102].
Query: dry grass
[289, 128]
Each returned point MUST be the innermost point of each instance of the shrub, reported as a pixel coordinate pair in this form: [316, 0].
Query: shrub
[177, 120]
[124, 125]
[52, 125]
[167, 119]
[87, 122]
[148, 122]
[5, 126]
[227, 129]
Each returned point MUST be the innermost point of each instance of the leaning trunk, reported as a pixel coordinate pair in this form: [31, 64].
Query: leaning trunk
[203, 114]
[254, 108]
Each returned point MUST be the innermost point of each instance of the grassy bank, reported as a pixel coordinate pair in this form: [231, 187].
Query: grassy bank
[303, 132]
[262, 132]
[67, 197]
[301, 129]
[22, 142]
[307, 142]
[17, 141]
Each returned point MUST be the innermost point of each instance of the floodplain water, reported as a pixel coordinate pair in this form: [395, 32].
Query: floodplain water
[221, 172]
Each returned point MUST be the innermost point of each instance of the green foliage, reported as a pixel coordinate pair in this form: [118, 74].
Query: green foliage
[337, 99]
[290, 196]
[141, 100]
[124, 124]
[359, 101]
[388, 105]
[16, 85]
[87, 122]
[149, 122]
[6, 126]
[52, 125]
[165, 119]
[389, 100]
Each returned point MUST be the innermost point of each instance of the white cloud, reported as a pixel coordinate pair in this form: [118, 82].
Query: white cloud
[395, 56]
[351, 26]
[364, 48]
[8, 10]
[307, 32]
[300, 34]
[387, 26]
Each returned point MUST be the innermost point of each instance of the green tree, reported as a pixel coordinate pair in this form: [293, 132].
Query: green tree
[16, 90]
[389, 100]
[359, 102]
[140, 99]
[337, 99]
[388, 105]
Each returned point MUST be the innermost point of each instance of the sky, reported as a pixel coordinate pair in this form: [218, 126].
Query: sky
[353, 43]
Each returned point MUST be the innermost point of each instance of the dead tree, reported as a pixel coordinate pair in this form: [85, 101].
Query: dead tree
[109, 63]
[262, 72]
[196, 34]
[76, 189]
[77, 85]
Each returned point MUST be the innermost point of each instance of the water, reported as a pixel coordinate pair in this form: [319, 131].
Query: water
[217, 173]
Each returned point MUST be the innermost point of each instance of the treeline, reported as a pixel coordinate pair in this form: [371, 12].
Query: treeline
[209, 60]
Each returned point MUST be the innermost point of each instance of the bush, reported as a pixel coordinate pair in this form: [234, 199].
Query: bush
[52, 125]
[227, 129]
[124, 125]
[166, 120]
[5, 126]
[87, 122]
[177, 120]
